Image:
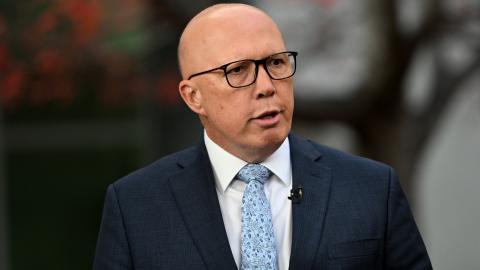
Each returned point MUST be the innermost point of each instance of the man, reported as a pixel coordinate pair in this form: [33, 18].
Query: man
[227, 203]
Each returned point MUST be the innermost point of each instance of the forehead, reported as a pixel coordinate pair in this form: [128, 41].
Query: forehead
[234, 34]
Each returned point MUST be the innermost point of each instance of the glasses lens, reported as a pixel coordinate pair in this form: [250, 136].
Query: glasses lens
[241, 73]
[281, 65]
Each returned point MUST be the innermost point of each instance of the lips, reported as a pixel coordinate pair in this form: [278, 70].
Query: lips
[268, 118]
[267, 115]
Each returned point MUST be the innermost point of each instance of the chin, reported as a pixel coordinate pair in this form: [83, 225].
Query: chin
[259, 147]
[272, 139]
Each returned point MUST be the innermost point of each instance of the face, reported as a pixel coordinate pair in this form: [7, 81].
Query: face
[249, 122]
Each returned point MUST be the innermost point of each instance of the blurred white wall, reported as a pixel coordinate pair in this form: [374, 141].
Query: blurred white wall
[448, 191]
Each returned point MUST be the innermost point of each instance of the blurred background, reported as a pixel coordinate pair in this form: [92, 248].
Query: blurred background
[88, 93]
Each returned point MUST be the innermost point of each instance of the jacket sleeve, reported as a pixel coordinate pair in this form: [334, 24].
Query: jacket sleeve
[112, 250]
[404, 247]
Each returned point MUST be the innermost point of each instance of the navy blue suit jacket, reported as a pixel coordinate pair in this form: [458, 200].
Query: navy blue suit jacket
[353, 215]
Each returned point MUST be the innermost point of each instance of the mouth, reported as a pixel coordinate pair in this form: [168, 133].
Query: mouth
[267, 115]
[268, 118]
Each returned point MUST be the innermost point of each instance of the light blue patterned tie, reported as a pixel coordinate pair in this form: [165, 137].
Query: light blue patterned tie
[258, 239]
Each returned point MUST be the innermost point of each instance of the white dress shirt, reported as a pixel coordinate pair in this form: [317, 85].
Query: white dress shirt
[230, 192]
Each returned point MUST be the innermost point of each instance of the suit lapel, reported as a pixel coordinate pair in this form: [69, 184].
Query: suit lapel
[309, 214]
[194, 191]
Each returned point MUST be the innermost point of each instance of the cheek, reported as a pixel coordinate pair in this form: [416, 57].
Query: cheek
[232, 112]
[225, 109]
[286, 96]
[214, 98]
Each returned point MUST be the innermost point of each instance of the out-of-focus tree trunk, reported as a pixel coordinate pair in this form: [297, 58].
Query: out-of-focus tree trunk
[387, 129]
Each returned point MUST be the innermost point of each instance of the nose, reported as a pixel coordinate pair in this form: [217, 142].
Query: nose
[264, 85]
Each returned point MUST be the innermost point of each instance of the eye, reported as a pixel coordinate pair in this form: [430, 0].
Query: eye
[277, 62]
[238, 68]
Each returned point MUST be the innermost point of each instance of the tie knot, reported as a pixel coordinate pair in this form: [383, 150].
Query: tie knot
[254, 172]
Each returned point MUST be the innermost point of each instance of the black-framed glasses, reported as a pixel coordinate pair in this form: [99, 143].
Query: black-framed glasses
[243, 73]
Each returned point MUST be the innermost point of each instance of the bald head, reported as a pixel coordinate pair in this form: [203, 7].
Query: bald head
[212, 36]
[252, 123]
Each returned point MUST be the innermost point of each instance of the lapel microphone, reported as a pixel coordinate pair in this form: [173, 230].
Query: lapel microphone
[296, 194]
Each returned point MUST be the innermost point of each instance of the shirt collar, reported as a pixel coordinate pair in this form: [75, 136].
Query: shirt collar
[226, 166]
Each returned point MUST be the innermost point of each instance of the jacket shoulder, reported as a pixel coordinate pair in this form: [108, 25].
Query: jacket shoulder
[339, 157]
[158, 171]
[343, 162]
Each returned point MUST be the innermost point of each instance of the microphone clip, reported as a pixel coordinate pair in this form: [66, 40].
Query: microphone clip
[296, 194]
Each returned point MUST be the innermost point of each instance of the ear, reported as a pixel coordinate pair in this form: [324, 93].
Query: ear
[191, 96]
